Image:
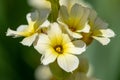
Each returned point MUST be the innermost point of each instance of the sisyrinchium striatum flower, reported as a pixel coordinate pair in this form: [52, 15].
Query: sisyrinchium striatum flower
[37, 24]
[98, 30]
[57, 45]
[61, 30]
[74, 20]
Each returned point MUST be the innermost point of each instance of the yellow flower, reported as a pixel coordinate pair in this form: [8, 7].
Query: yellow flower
[74, 20]
[98, 30]
[36, 23]
[57, 45]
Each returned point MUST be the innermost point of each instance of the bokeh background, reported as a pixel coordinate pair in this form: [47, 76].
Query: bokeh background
[18, 62]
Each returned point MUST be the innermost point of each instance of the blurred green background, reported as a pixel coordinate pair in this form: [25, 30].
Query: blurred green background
[18, 62]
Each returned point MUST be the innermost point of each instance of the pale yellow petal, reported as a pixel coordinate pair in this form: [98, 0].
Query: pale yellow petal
[55, 33]
[79, 48]
[100, 24]
[92, 17]
[28, 41]
[11, 32]
[102, 40]
[68, 62]
[72, 34]
[65, 39]
[67, 3]
[74, 50]
[84, 17]
[16, 33]
[107, 33]
[70, 3]
[76, 35]
[43, 15]
[75, 47]
[64, 16]
[76, 13]
[86, 28]
[54, 29]
[22, 28]
[28, 17]
[37, 17]
[49, 56]
[40, 4]
[45, 24]
[42, 44]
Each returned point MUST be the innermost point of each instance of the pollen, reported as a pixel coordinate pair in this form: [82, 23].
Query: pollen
[59, 49]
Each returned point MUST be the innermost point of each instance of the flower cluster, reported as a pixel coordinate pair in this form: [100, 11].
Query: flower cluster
[61, 30]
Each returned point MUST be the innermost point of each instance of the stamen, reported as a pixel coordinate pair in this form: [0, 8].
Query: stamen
[72, 29]
[59, 49]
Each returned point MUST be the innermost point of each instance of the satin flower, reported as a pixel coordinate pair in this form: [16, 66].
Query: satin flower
[74, 20]
[37, 24]
[57, 45]
[99, 30]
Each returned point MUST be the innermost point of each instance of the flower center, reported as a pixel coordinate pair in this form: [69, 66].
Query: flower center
[44, 30]
[87, 38]
[72, 29]
[59, 49]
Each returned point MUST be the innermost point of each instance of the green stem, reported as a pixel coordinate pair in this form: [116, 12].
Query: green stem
[54, 10]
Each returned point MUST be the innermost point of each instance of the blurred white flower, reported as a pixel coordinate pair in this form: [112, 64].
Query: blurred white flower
[43, 73]
[58, 45]
[99, 30]
[36, 23]
[40, 4]
[74, 20]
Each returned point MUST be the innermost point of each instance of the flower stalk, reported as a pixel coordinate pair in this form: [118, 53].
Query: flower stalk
[54, 10]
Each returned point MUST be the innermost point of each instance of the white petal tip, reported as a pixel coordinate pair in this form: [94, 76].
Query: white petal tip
[108, 33]
[28, 41]
[102, 40]
[111, 33]
[80, 46]
[10, 32]
[86, 29]
[68, 62]
[76, 35]
[45, 24]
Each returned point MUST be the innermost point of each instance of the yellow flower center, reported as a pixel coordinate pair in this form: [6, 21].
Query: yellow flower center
[72, 29]
[59, 49]
[87, 38]
[44, 30]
